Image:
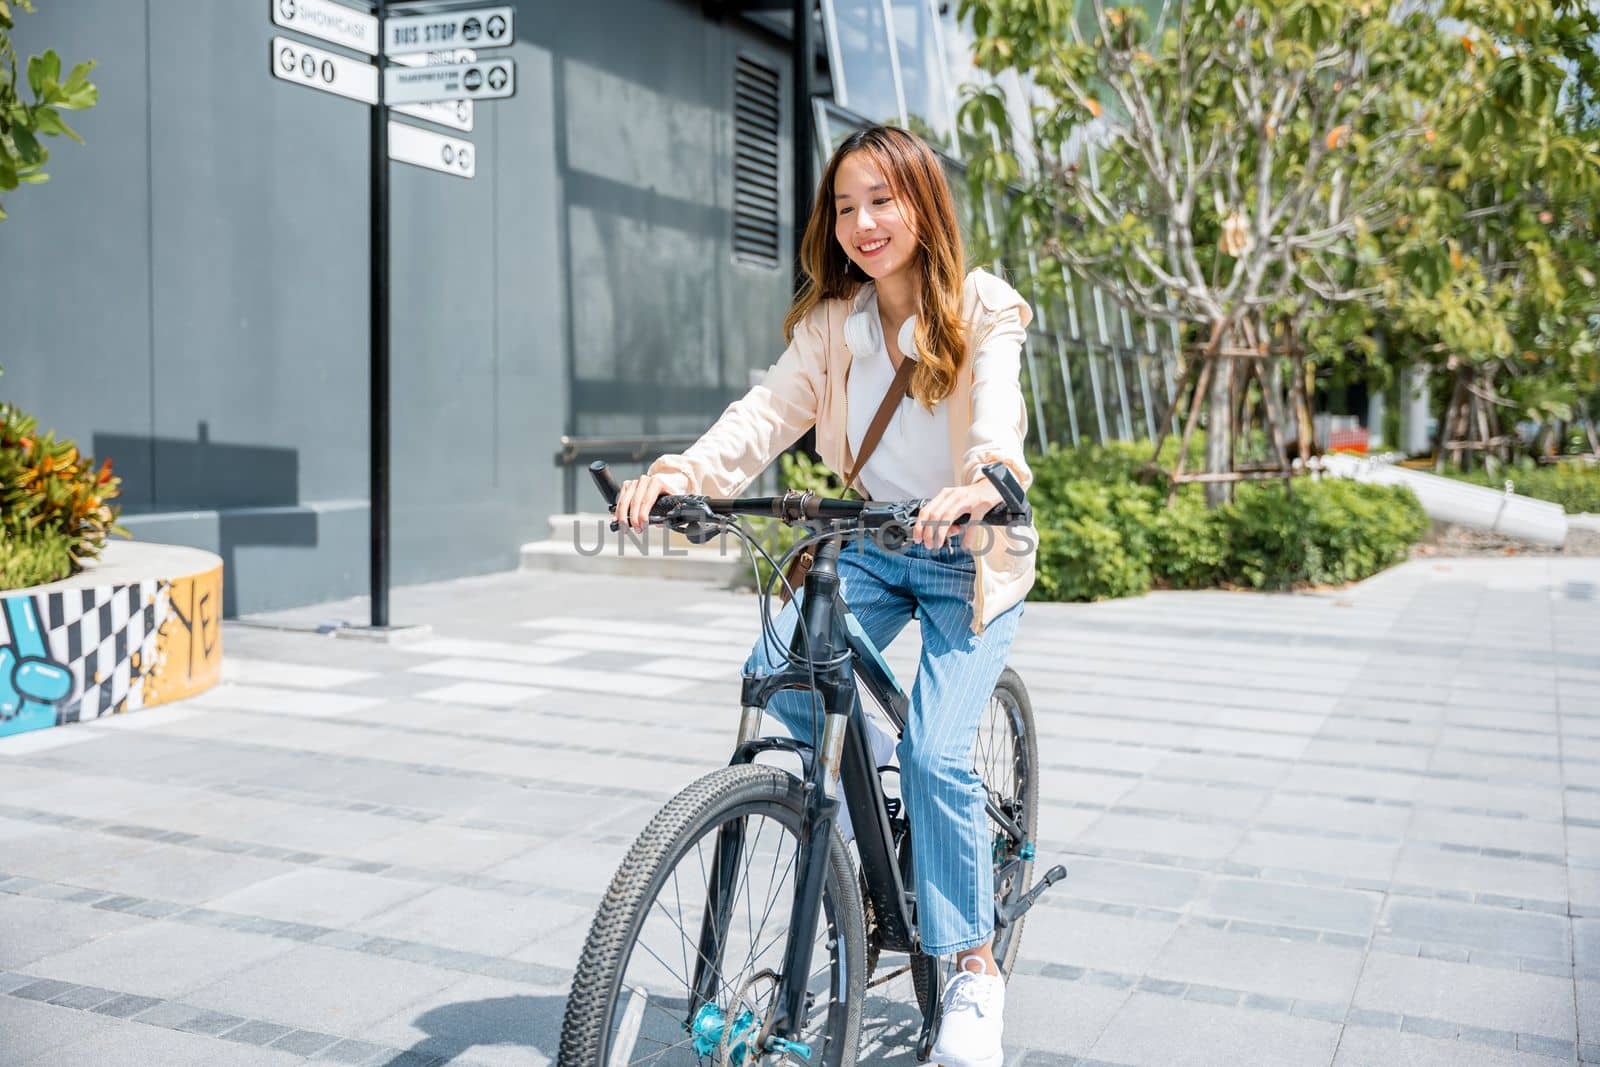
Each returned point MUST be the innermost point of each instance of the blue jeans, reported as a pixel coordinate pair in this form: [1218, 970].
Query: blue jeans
[950, 832]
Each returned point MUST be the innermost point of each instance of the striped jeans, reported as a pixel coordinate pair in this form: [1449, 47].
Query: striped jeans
[950, 834]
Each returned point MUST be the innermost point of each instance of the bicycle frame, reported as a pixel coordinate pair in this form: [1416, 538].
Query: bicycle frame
[840, 654]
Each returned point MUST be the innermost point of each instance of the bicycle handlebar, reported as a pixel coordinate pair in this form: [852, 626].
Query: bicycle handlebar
[691, 514]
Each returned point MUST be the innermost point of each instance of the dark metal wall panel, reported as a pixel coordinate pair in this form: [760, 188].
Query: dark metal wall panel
[189, 294]
[259, 268]
[74, 254]
[664, 325]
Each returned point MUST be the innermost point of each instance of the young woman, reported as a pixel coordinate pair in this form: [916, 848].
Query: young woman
[885, 282]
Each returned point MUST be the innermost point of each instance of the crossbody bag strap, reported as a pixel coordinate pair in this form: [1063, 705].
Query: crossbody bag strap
[880, 422]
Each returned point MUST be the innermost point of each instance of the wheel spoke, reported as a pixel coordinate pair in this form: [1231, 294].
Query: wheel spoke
[650, 1018]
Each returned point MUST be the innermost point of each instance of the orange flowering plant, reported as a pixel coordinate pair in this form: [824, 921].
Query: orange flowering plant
[55, 503]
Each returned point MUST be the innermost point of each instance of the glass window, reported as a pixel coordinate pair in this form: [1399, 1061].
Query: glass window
[832, 129]
[863, 57]
[922, 71]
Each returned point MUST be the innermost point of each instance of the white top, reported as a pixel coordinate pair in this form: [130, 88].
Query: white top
[913, 457]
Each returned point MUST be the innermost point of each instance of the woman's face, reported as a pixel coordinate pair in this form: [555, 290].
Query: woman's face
[873, 226]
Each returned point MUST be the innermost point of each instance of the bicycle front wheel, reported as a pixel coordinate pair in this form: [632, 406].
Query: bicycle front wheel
[706, 893]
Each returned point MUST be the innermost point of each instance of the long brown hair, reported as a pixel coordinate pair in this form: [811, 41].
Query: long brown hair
[914, 173]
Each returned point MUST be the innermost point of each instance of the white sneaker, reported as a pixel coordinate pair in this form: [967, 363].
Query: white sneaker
[969, 1033]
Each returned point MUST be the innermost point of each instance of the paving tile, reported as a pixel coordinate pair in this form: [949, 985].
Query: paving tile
[469, 920]
[1377, 1048]
[1182, 798]
[322, 989]
[1131, 833]
[35, 929]
[1586, 934]
[134, 1044]
[318, 896]
[1344, 859]
[1180, 1033]
[1263, 965]
[1130, 883]
[1422, 865]
[1475, 927]
[1340, 910]
[1499, 1000]
[1094, 940]
[160, 959]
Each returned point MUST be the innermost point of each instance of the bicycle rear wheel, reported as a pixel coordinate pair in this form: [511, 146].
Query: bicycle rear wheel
[633, 999]
[1006, 757]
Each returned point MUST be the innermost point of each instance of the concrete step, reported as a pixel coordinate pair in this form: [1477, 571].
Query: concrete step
[582, 544]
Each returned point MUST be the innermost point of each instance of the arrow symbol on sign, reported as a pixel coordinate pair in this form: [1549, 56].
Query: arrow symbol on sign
[470, 29]
[497, 78]
[497, 27]
[286, 9]
[286, 60]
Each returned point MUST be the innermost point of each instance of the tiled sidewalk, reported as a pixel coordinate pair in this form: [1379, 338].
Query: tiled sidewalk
[1359, 828]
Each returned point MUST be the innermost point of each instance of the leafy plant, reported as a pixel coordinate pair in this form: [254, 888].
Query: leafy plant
[55, 503]
[23, 121]
[1103, 533]
[1427, 168]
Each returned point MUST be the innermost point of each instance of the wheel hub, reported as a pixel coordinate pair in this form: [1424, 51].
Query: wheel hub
[711, 1028]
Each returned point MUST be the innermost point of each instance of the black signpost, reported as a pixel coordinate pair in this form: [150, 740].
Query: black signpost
[379, 203]
[330, 72]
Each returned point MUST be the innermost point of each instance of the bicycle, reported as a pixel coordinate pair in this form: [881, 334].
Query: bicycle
[712, 996]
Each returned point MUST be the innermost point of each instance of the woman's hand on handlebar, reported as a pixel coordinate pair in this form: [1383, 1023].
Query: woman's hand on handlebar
[937, 517]
[638, 496]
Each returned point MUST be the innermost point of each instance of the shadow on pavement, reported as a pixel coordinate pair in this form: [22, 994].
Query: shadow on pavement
[454, 1029]
[889, 1029]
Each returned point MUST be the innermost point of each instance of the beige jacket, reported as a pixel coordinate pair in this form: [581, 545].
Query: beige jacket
[806, 387]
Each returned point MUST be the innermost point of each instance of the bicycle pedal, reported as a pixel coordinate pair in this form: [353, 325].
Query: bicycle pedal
[1007, 915]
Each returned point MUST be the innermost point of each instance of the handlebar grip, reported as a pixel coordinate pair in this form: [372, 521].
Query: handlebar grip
[605, 482]
[1001, 478]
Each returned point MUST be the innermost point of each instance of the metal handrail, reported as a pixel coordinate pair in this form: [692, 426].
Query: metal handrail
[637, 447]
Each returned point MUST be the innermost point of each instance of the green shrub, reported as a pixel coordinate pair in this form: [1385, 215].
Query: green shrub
[55, 510]
[1104, 533]
[1318, 533]
[33, 559]
[1187, 546]
[1094, 540]
[1574, 485]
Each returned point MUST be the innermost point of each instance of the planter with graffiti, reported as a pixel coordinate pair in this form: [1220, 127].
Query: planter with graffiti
[140, 627]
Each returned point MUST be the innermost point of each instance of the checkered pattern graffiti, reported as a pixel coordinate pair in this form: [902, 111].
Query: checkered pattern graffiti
[107, 638]
[83, 653]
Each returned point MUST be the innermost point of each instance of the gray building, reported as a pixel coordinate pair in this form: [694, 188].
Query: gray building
[188, 295]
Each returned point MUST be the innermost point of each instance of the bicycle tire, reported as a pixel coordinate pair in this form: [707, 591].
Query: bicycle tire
[725, 794]
[1009, 706]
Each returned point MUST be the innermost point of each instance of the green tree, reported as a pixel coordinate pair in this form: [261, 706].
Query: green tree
[1229, 163]
[1492, 274]
[24, 120]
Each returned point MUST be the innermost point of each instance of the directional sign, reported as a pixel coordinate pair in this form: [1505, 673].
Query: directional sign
[424, 148]
[329, 21]
[316, 69]
[484, 27]
[487, 79]
[457, 114]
